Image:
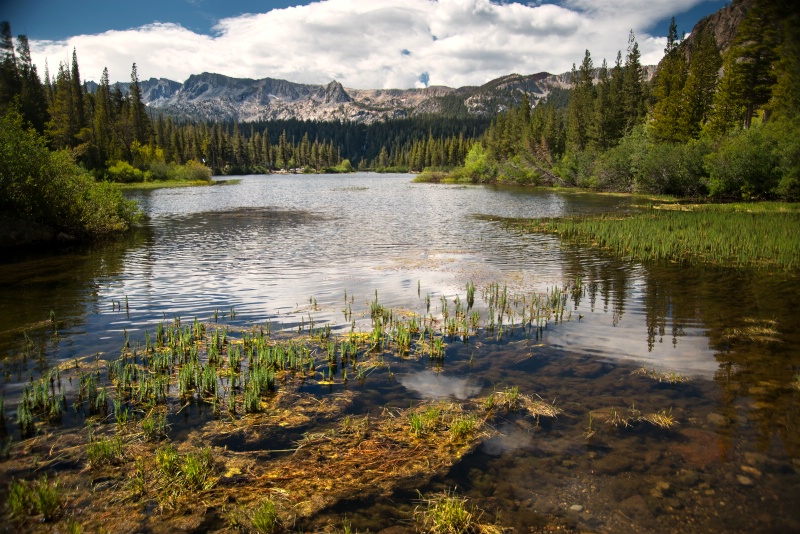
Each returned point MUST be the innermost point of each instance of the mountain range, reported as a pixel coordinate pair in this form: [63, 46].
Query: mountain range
[216, 97]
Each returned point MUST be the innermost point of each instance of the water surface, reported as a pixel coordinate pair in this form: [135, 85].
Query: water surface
[287, 249]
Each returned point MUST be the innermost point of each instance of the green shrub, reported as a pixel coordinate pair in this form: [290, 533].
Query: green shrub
[745, 165]
[124, 172]
[477, 165]
[47, 187]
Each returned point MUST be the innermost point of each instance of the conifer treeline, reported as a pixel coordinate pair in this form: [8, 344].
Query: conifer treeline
[691, 131]
[405, 144]
[112, 134]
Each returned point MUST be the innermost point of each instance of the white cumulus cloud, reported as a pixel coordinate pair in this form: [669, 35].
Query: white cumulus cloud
[377, 43]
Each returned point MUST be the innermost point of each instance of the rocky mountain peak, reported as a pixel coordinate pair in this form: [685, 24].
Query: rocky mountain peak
[334, 93]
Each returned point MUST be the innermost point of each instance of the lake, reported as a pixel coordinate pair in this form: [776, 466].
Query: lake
[717, 350]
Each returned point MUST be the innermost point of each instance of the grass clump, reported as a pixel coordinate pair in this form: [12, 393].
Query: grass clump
[39, 497]
[180, 474]
[445, 513]
[104, 451]
[425, 422]
[264, 518]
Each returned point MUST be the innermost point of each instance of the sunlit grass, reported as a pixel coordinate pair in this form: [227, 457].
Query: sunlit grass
[731, 235]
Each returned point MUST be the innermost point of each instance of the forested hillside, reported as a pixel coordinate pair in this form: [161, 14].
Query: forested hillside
[719, 122]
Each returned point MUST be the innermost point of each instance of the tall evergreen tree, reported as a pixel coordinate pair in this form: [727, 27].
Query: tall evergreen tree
[701, 83]
[786, 92]
[581, 104]
[633, 87]
[140, 121]
[103, 119]
[63, 126]
[33, 103]
[77, 92]
[668, 91]
[10, 84]
[602, 120]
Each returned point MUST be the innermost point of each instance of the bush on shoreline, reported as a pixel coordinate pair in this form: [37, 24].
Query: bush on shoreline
[49, 188]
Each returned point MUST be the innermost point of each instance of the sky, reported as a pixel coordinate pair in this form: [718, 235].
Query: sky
[364, 44]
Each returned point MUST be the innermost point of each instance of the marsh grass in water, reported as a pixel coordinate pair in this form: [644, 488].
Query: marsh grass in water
[730, 236]
[264, 518]
[448, 513]
[36, 497]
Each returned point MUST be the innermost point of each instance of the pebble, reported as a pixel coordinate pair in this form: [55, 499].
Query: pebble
[576, 508]
[716, 419]
[751, 471]
[744, 481]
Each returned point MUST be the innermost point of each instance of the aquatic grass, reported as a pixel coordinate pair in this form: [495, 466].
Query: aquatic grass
[103, 450]
[462, 427]
[670, 377]
[264, 518]
[422, 423]
[727, 237]
[445, 513]
[40, 497]
[154, 426]
[661, 419]
[632, 416]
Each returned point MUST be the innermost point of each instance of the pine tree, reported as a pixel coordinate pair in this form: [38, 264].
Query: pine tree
[601, 125]
[33, 103]
[581, 104]
[10, 84]
[139, 120]
[102, 122]
[633, 90]
[755, 47]
[786, 92]
[616, 117]
[668, 91]
[63, 124]
[77, 92]
[701, 83]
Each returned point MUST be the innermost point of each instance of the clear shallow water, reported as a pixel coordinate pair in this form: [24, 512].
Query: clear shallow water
[272, 246]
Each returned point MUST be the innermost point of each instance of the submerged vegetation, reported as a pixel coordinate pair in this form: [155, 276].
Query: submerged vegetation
[253, 383]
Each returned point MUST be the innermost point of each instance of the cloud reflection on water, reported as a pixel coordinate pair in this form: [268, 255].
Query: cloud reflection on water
[430, 385]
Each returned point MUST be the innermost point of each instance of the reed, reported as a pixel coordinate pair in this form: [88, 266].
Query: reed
[264, 518]
[728, 237]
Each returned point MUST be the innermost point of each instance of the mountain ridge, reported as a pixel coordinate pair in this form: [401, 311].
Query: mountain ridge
[212, 96]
